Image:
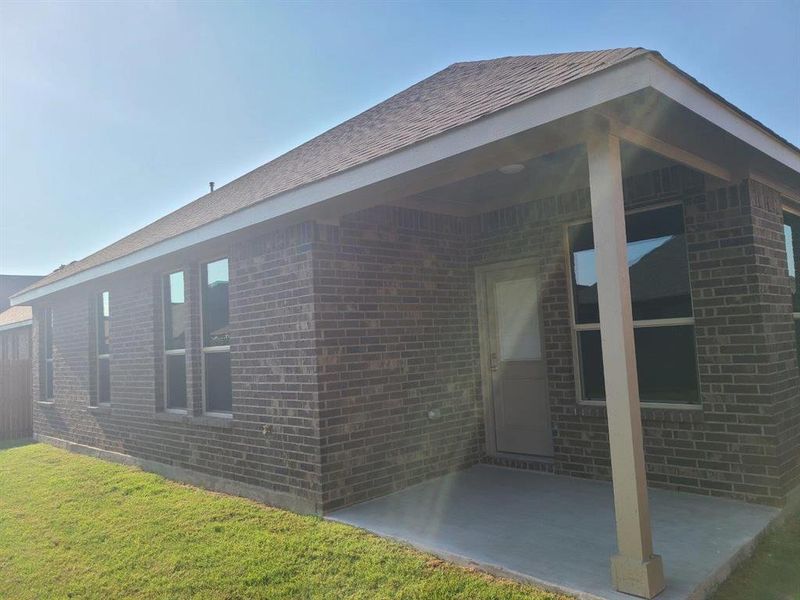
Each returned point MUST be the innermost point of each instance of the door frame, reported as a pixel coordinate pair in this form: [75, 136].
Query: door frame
[485, 351]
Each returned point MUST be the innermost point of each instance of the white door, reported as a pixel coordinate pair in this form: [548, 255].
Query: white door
[516, 365]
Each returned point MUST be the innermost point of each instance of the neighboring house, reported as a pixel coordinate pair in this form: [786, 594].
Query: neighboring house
[15, 360]
[418, 289]
[11, 284]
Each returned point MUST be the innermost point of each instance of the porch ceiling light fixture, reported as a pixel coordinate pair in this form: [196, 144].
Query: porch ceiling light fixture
[511, 169]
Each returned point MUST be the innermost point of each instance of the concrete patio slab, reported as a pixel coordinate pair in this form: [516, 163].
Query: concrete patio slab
[559, 531]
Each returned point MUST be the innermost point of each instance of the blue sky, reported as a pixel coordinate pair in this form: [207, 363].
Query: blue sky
[113, 114]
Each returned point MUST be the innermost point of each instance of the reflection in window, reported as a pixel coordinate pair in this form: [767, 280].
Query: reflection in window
[175, 318]
[791, 237]
[216, 331]
[103, 348]
[216, 337]
[658, 269]
[657, 265]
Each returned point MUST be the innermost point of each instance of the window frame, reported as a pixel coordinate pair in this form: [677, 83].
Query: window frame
[48, 365]
[796, 214]
[211, 349]
[175, 351]
[99, 357]
[576, 328]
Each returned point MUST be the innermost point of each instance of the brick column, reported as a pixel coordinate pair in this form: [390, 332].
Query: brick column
[745, 339]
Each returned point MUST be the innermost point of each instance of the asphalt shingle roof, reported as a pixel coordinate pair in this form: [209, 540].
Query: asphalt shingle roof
[15, 314]
[455, 96]
[459, 94]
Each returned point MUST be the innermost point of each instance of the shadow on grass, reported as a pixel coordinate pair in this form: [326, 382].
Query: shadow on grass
[6, 444]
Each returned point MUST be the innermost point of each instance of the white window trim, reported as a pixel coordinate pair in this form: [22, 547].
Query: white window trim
[576, 328]
[174, 351]
[211, 349]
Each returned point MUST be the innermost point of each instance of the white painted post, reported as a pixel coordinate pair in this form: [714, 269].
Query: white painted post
[635, 569]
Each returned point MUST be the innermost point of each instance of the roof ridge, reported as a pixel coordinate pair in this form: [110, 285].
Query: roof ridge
[631, 49]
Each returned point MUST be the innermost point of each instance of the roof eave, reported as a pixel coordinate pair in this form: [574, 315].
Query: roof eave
[17, 325]
[684, 89]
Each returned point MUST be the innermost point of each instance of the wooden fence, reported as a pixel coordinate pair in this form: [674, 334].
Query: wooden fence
[15, 399]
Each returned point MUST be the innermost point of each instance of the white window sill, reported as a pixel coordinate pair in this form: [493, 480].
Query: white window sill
[648, 405]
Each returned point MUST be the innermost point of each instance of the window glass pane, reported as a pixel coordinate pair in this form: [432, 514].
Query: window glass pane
[797, 337]
[49, 378]
[218, 381]
[591, 358]
[103, 381]
[657, 262]
[517, 303]
[48, 333]
[216, 329]
[176, 381]
[665, 364]
[103, 318]
[791, 237]
[174, 312]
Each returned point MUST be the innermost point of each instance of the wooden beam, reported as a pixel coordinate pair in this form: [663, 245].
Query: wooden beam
[635, 569]
[644, 140]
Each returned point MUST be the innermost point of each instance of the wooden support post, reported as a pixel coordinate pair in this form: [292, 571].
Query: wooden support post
[635, 569]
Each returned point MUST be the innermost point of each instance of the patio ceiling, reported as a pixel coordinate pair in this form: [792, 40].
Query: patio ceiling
[562, 171]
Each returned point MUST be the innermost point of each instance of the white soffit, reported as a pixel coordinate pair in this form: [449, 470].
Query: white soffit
[679, 87]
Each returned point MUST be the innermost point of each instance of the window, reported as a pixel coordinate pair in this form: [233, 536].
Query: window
[216, 337]
[174, 341]
[103, 349]
[791, 237]
[663, 320]
[47, 343]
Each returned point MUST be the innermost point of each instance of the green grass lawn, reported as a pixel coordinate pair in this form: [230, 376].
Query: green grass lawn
[773, 572]
[78, 527]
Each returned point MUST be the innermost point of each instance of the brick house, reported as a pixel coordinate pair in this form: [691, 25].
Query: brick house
[418, 290]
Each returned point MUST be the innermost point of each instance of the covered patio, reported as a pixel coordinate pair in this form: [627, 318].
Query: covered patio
[558, 532]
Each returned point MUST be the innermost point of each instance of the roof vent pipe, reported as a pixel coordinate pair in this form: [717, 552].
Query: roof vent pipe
[211, 185]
